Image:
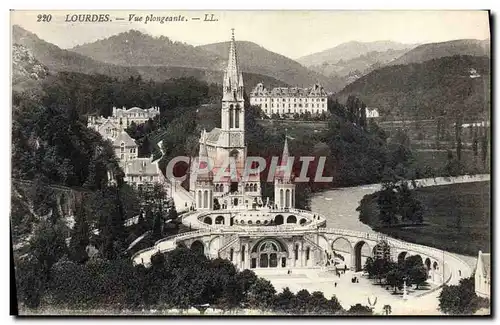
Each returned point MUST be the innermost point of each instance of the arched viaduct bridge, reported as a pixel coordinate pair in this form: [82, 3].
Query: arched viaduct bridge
[295, 245]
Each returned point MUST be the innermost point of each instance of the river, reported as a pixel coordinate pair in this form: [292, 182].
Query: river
[339, 205]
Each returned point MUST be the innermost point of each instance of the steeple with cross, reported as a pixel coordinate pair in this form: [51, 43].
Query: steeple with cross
[233, 110]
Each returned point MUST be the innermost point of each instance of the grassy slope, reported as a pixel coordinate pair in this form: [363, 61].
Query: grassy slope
[442, 206]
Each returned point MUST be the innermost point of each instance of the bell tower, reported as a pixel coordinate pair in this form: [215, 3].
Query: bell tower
[233, 103]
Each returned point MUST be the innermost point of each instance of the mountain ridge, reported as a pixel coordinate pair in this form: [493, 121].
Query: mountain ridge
[56, 59]
[437, 50]
[350, 50]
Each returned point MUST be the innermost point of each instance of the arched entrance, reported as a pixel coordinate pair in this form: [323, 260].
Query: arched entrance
[207, 220]
[278, 219]
[291, 219]
[198, 247]
[401, 257]
[342, 252]
[268, 253]
[361, 253]
[303, 221]
[219, 220]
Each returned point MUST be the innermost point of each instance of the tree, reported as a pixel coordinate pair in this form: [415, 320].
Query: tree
[246, 279]
[369, 267]
[359, 309]
[261, 294]
[460, 299]
[318, 303]
[458, 136]
[395, 278]
[79, 238]
[334, 305]
[302, 301]
[418, 275]
[48, 245]
[388, 203]
[172, 213]
[30, 282]
[284, 301]
[157, 226]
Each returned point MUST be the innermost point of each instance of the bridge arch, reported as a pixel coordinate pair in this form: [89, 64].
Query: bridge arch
[279, 220]
[291, 219]
[207, 220]
[303, 221]
[198, 247]
[402, 257]
[342, 249]
[214, 245]
[361, 252]
[427, 263]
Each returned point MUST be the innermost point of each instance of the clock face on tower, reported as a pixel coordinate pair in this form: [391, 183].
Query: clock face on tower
[235, 140]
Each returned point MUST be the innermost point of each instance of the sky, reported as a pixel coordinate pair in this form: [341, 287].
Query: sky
[290, 33]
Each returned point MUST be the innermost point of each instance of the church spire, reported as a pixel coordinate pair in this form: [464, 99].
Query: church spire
[285, 155]
[233, 78]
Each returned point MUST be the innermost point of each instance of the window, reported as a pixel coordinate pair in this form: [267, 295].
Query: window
[283, 99]
[266, 105]
[122, 156]
[306, 105]
[289, 111]
[294, 105]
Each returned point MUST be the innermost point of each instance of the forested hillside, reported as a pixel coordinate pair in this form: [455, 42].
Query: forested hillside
[439, 87]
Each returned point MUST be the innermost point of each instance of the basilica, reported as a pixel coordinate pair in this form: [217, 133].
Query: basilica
[226, 183]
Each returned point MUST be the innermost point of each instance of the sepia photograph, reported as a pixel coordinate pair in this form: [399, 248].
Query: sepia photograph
[250, 163]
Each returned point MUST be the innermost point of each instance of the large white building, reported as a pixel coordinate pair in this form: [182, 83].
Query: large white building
[138, 171]
[294, 100]
[121, 119]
